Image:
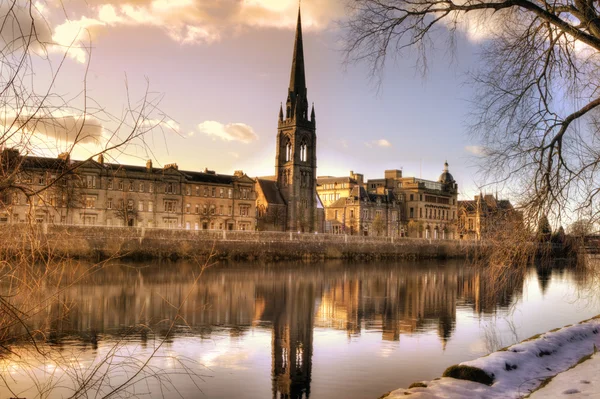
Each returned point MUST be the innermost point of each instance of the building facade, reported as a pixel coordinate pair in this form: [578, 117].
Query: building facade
[406, 206]
[104, 194]
[486, 215]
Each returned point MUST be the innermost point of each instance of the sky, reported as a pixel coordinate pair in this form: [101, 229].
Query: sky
[221, 68]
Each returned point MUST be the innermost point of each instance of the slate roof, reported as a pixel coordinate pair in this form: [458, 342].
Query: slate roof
[271, 191]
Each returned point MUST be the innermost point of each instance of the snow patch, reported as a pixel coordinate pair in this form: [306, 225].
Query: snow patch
[520, 368]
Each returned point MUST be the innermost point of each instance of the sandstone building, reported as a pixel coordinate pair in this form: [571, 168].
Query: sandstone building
[394, 205]
[98, 193]
[288, 201]
[484, 216]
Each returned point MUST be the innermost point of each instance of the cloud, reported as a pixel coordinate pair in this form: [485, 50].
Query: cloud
[189, 22]
[63, 128]
[476, 150]
[162, 124]
[22, 26]
[230, 132]
[378, 143]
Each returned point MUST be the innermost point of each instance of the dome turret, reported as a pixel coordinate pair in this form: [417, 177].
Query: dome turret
[446, 177]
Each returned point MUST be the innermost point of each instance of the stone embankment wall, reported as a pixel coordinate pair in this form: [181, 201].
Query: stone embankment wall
[105, 242]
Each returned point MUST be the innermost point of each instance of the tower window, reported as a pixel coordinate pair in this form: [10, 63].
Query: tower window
[288, 151]
[303, 152]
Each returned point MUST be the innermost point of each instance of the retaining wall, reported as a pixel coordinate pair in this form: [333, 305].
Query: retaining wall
[104, 242]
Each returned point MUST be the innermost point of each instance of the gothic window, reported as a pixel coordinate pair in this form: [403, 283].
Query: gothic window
[288, 151]
[303, 152]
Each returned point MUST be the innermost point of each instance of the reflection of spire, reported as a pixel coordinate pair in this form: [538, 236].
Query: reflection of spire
[292, 344]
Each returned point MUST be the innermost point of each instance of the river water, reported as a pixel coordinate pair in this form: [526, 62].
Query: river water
[328, 330]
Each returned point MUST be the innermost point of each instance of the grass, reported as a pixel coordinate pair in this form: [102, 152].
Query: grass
[469, 373]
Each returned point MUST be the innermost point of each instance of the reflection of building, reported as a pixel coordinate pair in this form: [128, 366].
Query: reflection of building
[295, 177]
[396, 205]
[289, 307]
[485, 215]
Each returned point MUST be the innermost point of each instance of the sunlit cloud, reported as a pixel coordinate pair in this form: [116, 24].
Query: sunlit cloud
[230, 132]
[476, 150]
[189, 22]
[59, 126]
[378, 143]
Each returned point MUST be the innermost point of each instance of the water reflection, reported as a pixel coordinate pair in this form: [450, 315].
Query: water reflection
[290, 300]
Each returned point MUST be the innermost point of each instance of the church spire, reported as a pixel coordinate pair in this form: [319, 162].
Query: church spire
[298, 78]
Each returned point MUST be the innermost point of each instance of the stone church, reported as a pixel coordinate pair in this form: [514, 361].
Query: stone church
[288, 201]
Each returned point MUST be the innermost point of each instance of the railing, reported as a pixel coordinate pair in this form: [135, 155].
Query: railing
[226, 235]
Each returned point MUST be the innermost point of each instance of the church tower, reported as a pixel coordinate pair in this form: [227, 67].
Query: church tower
[296, 160]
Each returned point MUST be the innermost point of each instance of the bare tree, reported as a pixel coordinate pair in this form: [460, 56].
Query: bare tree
[36, 120]
[537, 108]
[126, 210]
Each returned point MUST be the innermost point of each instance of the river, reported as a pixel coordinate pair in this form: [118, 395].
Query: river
[327, 330]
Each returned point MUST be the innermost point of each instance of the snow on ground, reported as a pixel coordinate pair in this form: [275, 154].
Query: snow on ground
[579, 382]
[520, 368]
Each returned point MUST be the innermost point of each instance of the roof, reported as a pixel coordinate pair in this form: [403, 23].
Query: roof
[271, 191]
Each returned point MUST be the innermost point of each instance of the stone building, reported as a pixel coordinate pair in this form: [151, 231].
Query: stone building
[409, 206]
[331, 189]
[484, 215]
[295, 180]
[364, 213]
[98, 193]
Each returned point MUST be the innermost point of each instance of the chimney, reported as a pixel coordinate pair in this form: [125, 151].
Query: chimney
[171, 166]
[101, 159]
[149, 165]
[65, 156]
[239, 173]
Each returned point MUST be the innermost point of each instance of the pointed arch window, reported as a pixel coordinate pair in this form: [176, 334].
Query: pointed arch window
[303, 151]
[288, 151]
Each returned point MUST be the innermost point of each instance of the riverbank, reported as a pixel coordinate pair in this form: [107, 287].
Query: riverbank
[542, 366]
[138, 243]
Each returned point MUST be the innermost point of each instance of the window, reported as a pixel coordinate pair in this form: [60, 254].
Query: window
[303, 152]
[170, 205]
[150, 206]
[288, 151]
[351, 213]
[188, 208]
[366, 214]
[151, 188]
[41, 180]
[170, 188]
[197, 210]
[110, 184]
[196, 226]
[131, 186]
[412, 212]
[109, 203]
[221, 209]
[121, 185]
[221, 192]
[141, 206]
[130, 205]
[197, 195]
[244, 193]
[206, 192]
[213, 192]
[244, 210]
[230, 210]
[90, 202]
[187, 225]
[212, 209]
[204, 209]
[230, 193]
[412, 197]
[141, 188]
[188, 191]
